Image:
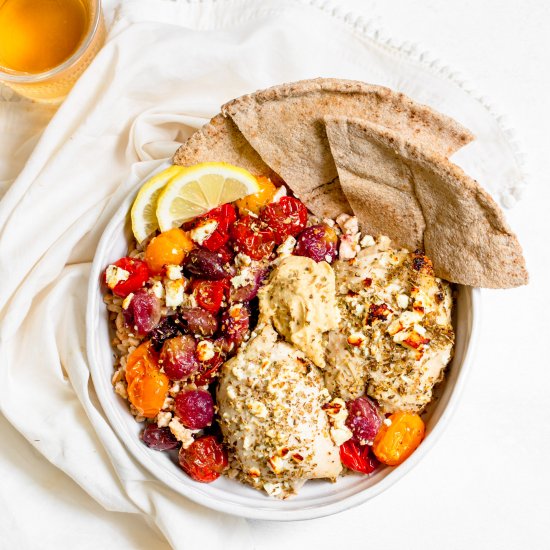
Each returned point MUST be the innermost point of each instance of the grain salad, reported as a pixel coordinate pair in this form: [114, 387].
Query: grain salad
[260, 342]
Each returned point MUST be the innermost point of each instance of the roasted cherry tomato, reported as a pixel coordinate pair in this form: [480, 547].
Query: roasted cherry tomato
[138, 275]
[254, 203]
[225, 216]
[147, 386]
[169, 247]
[249, 236]
[286, 217]
[204, 460]
[395, 443]
[210, 294]
[209, 370]
[357, 457]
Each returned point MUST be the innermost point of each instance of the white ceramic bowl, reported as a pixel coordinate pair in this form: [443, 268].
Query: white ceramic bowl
[317, 498]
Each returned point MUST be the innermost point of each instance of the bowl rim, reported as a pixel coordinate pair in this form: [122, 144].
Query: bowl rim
[140, 451]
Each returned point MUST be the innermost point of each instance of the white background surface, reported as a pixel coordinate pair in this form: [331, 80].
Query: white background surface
[487, 481]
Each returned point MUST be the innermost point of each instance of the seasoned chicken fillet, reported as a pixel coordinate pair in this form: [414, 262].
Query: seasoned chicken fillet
[395, 336]
[270, 400]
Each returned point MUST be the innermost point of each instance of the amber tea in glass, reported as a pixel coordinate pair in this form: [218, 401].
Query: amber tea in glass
[45, 45]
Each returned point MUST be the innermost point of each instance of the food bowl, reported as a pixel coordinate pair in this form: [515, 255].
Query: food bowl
[318, 497]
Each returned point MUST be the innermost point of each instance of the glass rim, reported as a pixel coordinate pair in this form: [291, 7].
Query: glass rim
[29, 78]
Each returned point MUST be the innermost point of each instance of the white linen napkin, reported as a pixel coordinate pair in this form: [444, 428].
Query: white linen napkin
[166, 69]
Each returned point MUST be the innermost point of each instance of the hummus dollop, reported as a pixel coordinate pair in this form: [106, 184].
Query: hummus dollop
[300, 301]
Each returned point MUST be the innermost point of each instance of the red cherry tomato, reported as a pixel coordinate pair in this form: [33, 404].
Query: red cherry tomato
[210, 294]
[249, 236]
[286, 217]
[204, 460]
[357, 457]
[209, 369]
[225, 216]
[139, 274]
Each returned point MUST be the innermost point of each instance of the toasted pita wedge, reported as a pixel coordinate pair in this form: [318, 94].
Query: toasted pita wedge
[379, 190]
[285, 126]
[221, 141]
[465, 234]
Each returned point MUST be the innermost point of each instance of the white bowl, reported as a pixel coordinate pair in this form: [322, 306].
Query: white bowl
[317, 498]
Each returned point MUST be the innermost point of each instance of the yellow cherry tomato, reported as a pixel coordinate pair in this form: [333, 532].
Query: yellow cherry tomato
[169, 247]
[254, 203]
[147, 386]
[393, 444]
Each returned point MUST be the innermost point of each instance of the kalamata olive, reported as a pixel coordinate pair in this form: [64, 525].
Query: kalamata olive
[160, 439]
[199, 321]
[363, 420]
[169, 327]
[143, 312]
[318, 242]
[206, 264]
[250, 291]
[178, 357]
[195, 408]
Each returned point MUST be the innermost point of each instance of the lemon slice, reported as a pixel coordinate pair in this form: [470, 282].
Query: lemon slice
[143, 213]
[197, 189]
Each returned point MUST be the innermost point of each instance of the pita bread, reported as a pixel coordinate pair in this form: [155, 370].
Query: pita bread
[380, 191]
[465, 234]
[284, 124]
[220, 141]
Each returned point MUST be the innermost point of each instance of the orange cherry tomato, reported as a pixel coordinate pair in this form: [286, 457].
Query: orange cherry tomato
[147, 386]
[169, 247]
[395, 443]
[254, 203]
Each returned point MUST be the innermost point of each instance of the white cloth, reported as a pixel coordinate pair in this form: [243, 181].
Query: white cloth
[166, 69]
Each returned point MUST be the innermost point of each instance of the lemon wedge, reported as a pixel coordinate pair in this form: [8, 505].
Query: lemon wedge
[143, 213]
[197, 189]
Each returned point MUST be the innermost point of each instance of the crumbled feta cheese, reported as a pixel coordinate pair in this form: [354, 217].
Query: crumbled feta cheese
[387, 421]
[242, 260]
[287, 247]
[203, 231]
[349, 247]
[127, 300]
[367, 241]
[158, 290]
[337, 414]
[257, 408]
[403, 301]
[279, 194]
[115, 275]
[340, 435]
[276, 463]
[174, 292]
[348, 224]
[163, 419]
[181, 433]
[273, 489]
[205, 350]
[394, 327]
[231, 392]
[420, 329]
[244, 278]
[173, 272]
